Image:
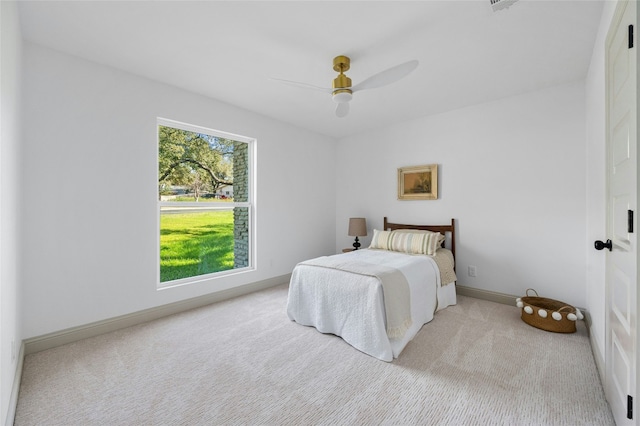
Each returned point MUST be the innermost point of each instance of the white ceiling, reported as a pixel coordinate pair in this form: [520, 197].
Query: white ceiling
[228, 50]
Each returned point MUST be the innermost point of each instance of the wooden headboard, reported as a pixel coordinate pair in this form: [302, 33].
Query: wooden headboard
[443, 229]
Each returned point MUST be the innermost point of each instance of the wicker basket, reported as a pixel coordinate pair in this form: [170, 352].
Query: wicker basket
[548, 314]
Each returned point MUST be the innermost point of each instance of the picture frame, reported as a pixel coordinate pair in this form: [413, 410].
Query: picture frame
[418, 182]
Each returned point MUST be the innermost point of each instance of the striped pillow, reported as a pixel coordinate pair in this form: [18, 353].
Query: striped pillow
[422, 242]
[416, 242]
[380, 240]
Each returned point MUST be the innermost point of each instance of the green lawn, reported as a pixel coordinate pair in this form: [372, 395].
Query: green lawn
[194, 244]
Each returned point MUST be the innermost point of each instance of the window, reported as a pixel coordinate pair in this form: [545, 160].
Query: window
[204, 202]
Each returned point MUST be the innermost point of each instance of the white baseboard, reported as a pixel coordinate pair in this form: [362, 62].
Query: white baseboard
[15, 389]
[52, 340]
[595, 348]
[505, 299]
[492, 296]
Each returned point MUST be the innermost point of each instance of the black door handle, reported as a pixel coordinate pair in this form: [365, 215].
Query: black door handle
[599, 245]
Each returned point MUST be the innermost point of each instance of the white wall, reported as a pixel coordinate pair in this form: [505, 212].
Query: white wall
[512, 172]
[90, 185]
[595, 177]
[11, 313]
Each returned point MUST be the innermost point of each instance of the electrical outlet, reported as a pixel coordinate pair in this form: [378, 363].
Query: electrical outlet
[472, 271]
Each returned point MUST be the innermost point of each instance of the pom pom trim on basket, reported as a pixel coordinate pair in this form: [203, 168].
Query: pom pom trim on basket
[536, 310]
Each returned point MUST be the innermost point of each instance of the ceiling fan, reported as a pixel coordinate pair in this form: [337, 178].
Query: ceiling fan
[342, 90]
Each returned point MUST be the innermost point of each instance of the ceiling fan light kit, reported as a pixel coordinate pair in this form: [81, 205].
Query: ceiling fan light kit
[342, 95]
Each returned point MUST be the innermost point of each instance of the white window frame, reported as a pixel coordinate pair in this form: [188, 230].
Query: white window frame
[212, 205]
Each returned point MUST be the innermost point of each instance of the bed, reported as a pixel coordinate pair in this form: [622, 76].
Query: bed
[377, 299]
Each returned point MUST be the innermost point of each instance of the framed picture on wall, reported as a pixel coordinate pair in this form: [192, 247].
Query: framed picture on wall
[418, 182]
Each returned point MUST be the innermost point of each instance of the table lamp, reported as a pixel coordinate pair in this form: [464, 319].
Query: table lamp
[357, 228]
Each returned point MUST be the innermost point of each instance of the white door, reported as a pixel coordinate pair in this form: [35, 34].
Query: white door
[621, 263]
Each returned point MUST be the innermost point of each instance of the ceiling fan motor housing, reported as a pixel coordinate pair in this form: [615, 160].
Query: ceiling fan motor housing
[342, 83]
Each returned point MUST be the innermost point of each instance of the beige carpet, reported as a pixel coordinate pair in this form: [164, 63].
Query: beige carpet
[243, 362]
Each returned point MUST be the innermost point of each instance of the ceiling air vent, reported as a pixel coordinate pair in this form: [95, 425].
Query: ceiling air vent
[501, 4]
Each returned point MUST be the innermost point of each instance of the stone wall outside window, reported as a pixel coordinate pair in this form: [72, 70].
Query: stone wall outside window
[241, 214]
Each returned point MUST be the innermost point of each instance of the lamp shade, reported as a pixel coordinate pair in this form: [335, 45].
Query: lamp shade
[357, 227]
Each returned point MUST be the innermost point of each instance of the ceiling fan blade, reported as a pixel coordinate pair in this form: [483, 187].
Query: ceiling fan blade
[342, 109]
[302, 85]
[388, 76]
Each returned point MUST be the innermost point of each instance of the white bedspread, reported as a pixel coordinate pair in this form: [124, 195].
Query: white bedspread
[351, 305]
[397, 304]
